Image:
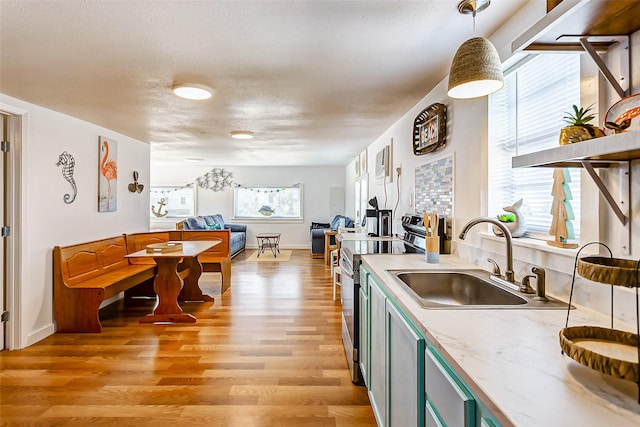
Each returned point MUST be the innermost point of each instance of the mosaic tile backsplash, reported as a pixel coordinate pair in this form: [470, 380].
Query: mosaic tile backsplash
[434, 187]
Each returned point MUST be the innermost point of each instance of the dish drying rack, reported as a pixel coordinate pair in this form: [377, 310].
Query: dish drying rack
[615, 272]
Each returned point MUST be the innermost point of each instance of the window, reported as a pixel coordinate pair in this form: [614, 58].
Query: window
[268, 202]
[172, 202]
[524, 117]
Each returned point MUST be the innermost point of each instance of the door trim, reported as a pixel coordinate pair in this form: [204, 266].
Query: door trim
[17, 130]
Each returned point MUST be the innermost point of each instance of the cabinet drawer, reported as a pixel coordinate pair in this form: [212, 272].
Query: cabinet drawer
[430, 417]
[447, 397]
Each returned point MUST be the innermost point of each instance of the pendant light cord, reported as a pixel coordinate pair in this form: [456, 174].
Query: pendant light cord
[474, 21]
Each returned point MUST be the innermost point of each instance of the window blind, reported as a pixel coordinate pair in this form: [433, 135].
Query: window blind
[524, 117]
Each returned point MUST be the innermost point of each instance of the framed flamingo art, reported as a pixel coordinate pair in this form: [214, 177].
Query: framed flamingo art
[108, 175]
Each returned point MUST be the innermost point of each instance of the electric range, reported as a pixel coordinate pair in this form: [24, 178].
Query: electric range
[350, 253]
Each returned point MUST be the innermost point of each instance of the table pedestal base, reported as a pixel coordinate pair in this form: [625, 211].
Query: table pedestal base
[191, 289]
[168, 284]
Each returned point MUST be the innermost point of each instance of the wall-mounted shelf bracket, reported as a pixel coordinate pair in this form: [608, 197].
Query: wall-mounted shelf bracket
[625, 78]
[620, 206]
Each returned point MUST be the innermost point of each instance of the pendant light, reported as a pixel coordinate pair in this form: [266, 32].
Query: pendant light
[476, 69]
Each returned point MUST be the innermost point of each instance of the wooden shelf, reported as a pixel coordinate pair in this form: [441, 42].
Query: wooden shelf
[599, 20]
[599, 152]
[613, 150]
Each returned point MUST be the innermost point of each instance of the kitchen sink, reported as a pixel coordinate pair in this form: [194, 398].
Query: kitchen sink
[470, 289]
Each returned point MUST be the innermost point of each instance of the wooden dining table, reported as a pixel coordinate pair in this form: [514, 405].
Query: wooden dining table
[176, 268]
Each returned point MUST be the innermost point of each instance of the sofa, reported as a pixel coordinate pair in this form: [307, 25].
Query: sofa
[317, 233]
[216, 222]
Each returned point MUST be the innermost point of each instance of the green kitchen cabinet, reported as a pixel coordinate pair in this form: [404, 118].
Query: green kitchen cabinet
[449, 401]
[363, 350]
[396, 361]
[405, 369]
[410, 383]
[364, 357]
[377, 352]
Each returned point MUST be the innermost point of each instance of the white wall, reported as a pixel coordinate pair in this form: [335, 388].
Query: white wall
[46, 221]
[317, 183]
[467, 141]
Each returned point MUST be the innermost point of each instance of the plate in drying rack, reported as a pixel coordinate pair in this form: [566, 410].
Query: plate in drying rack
[609, 351]
[612, 271]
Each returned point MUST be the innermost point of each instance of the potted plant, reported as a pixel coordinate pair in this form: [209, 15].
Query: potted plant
[578, 128]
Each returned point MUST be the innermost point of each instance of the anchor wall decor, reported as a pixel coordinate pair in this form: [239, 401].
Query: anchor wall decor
[161, 204]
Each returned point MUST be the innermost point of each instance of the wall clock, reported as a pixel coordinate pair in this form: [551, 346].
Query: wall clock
[430, 129]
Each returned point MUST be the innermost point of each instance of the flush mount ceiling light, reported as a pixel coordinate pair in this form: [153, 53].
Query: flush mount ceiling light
[241, 134]
[476, 69]
[193, 91]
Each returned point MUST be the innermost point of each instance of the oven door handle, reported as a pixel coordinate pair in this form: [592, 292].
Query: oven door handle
[347, 270]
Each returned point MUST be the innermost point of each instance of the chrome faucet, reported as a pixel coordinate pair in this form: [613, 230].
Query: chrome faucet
[508, 274]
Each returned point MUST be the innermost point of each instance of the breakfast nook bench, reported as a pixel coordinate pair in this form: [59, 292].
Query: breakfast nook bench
[86, 274]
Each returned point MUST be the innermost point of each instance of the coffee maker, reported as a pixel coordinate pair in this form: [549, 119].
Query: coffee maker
[378, 221]
[384, 223]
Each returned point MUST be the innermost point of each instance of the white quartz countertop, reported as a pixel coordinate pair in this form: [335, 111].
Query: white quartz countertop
[512, 357]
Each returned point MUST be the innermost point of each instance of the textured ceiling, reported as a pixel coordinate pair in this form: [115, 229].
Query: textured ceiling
[316, 81]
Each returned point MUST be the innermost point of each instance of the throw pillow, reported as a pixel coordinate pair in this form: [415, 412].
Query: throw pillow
[196, 223]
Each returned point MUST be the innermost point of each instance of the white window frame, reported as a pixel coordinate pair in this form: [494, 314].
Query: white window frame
[575, 173]
[274, 218]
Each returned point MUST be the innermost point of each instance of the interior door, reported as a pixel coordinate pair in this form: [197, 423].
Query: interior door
[3, 289]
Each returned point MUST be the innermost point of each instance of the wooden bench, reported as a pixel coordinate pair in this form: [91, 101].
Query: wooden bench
[86, 274]
[218, 258]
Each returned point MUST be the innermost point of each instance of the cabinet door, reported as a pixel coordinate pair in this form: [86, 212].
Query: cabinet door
[377, 352]
[363, 351]
[405, 361]
[448, 398]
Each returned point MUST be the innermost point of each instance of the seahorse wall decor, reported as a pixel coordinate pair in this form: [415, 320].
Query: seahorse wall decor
[68, 163]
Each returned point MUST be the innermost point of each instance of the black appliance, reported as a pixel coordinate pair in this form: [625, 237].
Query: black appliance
[350, 252]
[415, 234]
[378, 221]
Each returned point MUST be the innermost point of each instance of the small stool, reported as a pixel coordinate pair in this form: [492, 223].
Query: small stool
[328, 246]
[335, 270]
[336, 282]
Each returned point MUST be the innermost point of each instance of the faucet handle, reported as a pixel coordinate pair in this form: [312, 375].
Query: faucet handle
[525, 286]
[540, 283]
[496, 267]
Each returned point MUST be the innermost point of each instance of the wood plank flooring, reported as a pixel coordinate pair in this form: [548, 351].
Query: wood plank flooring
[267, 353]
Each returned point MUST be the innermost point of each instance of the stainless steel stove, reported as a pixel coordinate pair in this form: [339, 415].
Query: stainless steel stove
[413, 241]
[351, 251]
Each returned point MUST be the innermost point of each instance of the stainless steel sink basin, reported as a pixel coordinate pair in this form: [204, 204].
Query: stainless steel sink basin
[471, 289]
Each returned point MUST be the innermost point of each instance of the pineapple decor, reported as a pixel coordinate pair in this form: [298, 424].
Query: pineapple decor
[578, 128]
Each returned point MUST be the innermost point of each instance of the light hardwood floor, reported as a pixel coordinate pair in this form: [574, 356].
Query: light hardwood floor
[267, 353]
